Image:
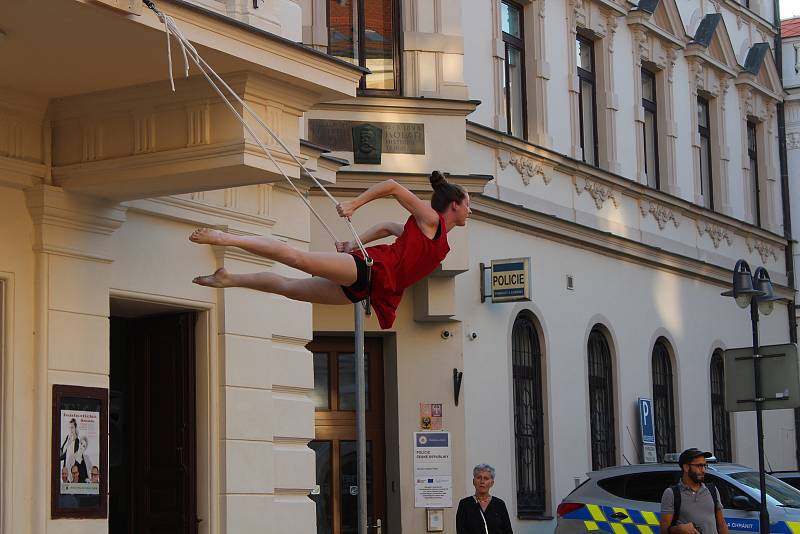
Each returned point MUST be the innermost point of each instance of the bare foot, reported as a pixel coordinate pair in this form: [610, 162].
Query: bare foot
[220, 278]
[208, 236]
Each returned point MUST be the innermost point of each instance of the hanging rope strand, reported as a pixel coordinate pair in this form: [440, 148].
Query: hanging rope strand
[172, 28]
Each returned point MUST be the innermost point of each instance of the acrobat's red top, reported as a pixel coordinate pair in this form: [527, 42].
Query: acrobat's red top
[412, 257]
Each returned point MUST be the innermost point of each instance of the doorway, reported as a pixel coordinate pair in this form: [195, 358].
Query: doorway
[152, 430]
[334, 396]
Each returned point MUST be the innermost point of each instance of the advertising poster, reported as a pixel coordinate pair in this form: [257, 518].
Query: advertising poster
[80, 453]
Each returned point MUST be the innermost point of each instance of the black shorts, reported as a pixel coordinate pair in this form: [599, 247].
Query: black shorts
[362, 281]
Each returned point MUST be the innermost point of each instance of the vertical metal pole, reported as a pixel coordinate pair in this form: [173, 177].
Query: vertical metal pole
[361, 430]
[762, 483]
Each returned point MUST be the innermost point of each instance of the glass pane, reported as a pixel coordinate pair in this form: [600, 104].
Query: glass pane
[584, 54]
[347, 380]
[321, 494]
[751, 137]
[755, 202]
[510, 17]
[648, 86]
[349, 490]
[320, 396]
[587, 134]
[650, 141]
[705, 172]
[340, 30]
[379, 43]
[702, 113]
[515, 75]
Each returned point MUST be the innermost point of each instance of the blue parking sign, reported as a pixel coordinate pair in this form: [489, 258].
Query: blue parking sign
[647, 421]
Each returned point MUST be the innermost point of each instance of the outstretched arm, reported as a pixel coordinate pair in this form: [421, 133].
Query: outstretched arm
[422, 211]
[373, 233]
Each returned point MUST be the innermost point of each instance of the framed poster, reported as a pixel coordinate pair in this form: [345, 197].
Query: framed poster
[79, 465]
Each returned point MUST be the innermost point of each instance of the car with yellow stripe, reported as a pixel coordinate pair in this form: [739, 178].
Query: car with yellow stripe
[627, 500]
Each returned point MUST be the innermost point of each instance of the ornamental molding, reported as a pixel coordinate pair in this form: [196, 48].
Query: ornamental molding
[662, 214]
[764, 250]
[715, 232]
[526, 167]
[793, 140]
[599, 192]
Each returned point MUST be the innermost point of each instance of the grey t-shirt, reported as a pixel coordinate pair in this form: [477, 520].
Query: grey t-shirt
[697, 508]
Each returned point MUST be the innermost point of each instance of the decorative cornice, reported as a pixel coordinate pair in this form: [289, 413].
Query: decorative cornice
[764, 250]
[599, 192]
[715, 232]
[662, 214]
[526, 167]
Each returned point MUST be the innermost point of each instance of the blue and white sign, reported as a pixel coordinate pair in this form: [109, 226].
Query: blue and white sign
[647, 422]
[433, 481]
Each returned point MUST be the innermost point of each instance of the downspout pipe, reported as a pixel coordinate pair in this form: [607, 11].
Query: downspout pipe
[787, 216]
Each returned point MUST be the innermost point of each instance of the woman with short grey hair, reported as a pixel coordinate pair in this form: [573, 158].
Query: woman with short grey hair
[482, 513]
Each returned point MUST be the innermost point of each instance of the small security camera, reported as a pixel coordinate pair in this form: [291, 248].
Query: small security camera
[472, 335]
[446, 334]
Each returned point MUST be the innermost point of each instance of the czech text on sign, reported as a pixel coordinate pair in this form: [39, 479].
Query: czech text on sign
[511, 280]
[433, 487]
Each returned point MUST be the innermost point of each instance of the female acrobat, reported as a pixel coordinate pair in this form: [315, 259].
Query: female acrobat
[343, 277]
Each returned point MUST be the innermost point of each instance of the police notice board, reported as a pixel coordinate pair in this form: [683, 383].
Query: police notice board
[433, 476]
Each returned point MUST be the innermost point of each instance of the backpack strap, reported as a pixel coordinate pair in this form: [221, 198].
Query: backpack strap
[714, 494]
[676, 504]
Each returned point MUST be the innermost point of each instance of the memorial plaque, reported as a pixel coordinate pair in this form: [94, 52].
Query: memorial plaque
[398, 137]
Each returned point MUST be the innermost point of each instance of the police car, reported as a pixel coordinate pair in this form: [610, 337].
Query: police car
[627, 500]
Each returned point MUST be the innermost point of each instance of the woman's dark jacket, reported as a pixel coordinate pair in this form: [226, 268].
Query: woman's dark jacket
[468, 517]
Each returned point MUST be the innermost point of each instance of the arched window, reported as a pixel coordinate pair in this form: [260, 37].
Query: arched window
[663, 400]
[528, 418]
[601, 401]
[720, 419]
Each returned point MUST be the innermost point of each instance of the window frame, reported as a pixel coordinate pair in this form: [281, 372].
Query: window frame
[663, 393]
[651, 106]
[752, 155]
[360, 60]
[601, 388]
[530, 504]
[591, 79]
[704, 132]
[518, 44]
[720, 419]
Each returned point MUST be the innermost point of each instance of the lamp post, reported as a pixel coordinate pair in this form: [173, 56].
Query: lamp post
[755, 290]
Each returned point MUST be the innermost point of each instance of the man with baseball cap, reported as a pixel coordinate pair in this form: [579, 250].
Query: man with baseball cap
[690, 506]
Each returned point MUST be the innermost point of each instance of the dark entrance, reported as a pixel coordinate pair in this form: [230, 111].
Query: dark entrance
[152, 465]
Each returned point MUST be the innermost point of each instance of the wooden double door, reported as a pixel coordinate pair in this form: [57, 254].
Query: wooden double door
[152, 464]
[336, 491]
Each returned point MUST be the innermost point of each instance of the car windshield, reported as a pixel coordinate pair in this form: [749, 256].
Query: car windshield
[778, 492]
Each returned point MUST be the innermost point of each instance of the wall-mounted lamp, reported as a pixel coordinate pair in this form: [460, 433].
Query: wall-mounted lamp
[457, 376]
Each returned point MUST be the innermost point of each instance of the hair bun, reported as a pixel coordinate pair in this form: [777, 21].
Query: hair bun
[437, 179]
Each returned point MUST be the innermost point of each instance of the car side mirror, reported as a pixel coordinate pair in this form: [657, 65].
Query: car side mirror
[740, 502]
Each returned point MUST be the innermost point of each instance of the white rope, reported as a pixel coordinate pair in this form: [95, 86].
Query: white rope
[171, 28]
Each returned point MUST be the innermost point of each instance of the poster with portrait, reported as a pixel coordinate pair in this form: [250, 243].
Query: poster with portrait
[80, 434]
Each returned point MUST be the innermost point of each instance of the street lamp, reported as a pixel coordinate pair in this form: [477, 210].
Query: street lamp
[755, 290]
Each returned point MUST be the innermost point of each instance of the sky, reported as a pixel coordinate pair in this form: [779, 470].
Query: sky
[790, 8]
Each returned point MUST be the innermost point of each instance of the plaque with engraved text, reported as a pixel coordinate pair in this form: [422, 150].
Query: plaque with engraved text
[398, 137]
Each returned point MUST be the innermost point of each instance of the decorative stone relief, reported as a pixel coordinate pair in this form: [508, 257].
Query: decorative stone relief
[764, 250]
[662, 214]
[92, 142]
[598, 192]
[715, 232]
[12, 142]
[793, 140]
[144, 134]
[526, 167]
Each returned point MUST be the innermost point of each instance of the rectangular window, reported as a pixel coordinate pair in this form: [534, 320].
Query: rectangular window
[514, 69]
[364, 32]
[704, 129]
[755, 192]
[587, 100]
[650, 128]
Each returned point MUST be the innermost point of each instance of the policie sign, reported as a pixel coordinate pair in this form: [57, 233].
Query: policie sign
[509, 280]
